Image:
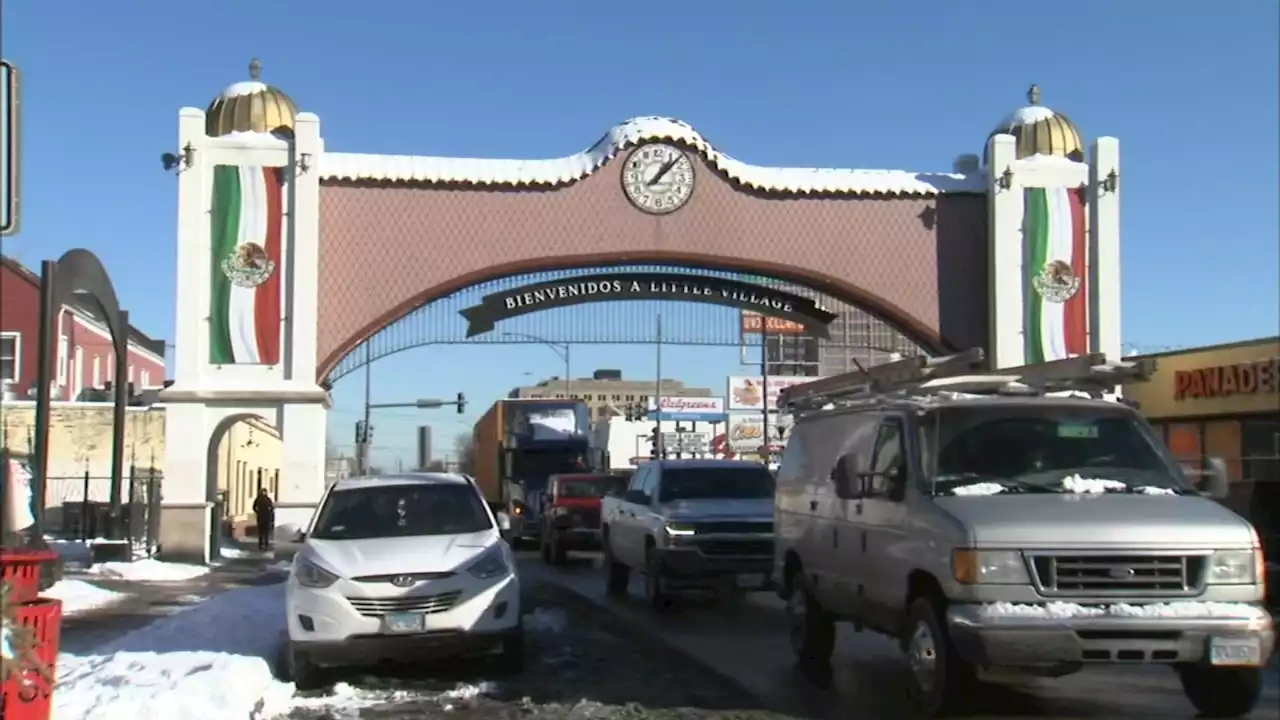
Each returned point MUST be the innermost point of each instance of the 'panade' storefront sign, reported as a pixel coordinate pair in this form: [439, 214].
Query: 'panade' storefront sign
[1248, 378]
[605, 287]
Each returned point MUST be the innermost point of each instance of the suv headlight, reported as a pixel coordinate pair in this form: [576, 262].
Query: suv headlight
[1235, 567]
[989, 567]
[490, 565]
[312, 575]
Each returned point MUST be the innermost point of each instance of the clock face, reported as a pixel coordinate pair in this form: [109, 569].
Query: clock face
[658, 178]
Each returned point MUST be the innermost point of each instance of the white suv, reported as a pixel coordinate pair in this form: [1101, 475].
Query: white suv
[402, 567]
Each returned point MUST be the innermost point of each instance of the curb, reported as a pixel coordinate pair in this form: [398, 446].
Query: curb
[615, 625]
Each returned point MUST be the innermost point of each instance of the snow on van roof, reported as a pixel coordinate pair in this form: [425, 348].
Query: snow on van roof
[422, 478]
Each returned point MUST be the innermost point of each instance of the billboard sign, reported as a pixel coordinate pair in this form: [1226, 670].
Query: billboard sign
[746, 433]
[689, 409]
[748, 392]
[10, 114]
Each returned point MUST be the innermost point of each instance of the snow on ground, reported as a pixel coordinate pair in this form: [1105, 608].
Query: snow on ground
[210, 662]
[80, 552]
[149, 570]
[214, 661]
[78, 596]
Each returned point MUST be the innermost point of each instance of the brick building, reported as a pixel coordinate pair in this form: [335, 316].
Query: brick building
[84, 362]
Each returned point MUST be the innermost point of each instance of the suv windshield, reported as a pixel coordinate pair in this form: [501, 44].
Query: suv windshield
[1049, 448]
[730, 483]
[405, 510]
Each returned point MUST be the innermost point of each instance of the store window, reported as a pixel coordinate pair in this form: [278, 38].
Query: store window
[1222, 440]
[1260, 447]
[1185, 442]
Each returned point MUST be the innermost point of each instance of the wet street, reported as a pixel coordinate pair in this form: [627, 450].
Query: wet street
[592, 657]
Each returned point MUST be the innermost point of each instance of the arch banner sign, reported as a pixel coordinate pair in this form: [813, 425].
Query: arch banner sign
[607, 287]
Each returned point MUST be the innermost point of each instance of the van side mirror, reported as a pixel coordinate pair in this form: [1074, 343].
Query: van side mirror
[847, 480]
[300, 536]
[1216, 483]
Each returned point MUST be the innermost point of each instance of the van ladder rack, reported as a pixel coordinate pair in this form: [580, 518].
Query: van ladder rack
[963, 372]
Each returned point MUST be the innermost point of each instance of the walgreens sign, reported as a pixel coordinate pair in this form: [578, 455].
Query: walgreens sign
[676, 405]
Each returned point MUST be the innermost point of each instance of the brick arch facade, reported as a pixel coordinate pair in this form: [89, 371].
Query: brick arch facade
[912, 255]
[289, 254]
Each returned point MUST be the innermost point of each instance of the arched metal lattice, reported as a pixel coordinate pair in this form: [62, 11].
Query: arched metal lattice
[854, 334]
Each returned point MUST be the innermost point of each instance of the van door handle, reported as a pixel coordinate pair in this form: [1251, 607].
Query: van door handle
[813, 504]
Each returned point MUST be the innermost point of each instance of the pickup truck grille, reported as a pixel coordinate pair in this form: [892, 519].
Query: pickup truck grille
[736, 547]
[734, 527]
[428, 604]
[1083, 575]
[587, 518]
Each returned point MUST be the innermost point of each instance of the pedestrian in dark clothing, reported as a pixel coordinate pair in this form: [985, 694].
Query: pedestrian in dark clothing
[265, 512]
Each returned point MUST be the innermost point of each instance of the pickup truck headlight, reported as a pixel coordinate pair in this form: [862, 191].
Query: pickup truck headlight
[1235, 567]
[312, 575]
[989, 567]
[490, 565]
[680, 529]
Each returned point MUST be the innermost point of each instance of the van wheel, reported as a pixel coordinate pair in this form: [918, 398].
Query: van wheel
[1221, 692]
[617, 575]
[812, 631]
[942, 681]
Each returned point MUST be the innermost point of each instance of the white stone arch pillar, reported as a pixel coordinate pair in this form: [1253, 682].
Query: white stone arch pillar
[1014, 296]
[208, 386]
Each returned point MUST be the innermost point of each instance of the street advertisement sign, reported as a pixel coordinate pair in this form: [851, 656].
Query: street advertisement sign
[689, 409]
[748, 392]
[746, 432]
[10, 113]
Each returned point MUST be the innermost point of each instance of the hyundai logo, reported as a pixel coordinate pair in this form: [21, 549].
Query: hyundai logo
[1120, 573]
[403, 581]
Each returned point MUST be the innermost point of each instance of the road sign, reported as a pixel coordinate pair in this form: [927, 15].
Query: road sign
[10, 114]
[686, 442]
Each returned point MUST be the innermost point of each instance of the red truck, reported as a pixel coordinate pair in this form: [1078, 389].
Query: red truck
[571, 512]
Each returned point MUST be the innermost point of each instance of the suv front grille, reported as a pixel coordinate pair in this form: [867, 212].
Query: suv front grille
[1084, 575]
[428, 604]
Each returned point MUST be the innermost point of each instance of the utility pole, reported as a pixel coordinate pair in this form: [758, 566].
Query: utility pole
[764, 387]
[362, 433]
[659, 451]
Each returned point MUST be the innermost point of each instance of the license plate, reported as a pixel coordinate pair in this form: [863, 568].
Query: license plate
[1235, 651]
[751, 580]
[404, 622]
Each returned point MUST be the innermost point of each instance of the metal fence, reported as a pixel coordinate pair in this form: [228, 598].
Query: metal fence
[79, 508]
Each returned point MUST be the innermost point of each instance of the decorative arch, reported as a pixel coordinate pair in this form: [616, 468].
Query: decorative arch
[930, 340]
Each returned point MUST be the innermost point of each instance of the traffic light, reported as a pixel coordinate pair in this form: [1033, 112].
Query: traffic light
[462, 403]
[656, 443]
[364, 432]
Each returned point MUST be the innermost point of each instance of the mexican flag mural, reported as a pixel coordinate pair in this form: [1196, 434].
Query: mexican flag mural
[247, 294]
[1055, 260]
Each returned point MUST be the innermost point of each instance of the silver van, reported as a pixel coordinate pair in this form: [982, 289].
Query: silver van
[1012, 523]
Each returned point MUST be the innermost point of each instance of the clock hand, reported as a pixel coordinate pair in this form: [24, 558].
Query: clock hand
[666, 168]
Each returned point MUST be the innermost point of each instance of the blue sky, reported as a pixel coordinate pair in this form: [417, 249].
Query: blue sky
[1189, 88]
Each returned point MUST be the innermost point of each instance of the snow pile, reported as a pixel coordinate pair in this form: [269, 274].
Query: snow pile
[1090, 486]
[210, 662]
[78, 596]
[1064, 610]
[78, 554]
[149, 570]
[986, 488]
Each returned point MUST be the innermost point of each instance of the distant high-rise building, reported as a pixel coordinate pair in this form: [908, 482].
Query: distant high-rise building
[424, 447]
[607, 393]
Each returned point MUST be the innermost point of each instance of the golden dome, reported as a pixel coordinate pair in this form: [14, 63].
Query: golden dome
[1040, 131]
[250, 106]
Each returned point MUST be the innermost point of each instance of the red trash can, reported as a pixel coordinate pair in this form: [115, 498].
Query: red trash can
[28, 695]
[21, 570]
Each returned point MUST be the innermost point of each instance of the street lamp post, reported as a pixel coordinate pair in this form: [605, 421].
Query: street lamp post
[560, 349]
